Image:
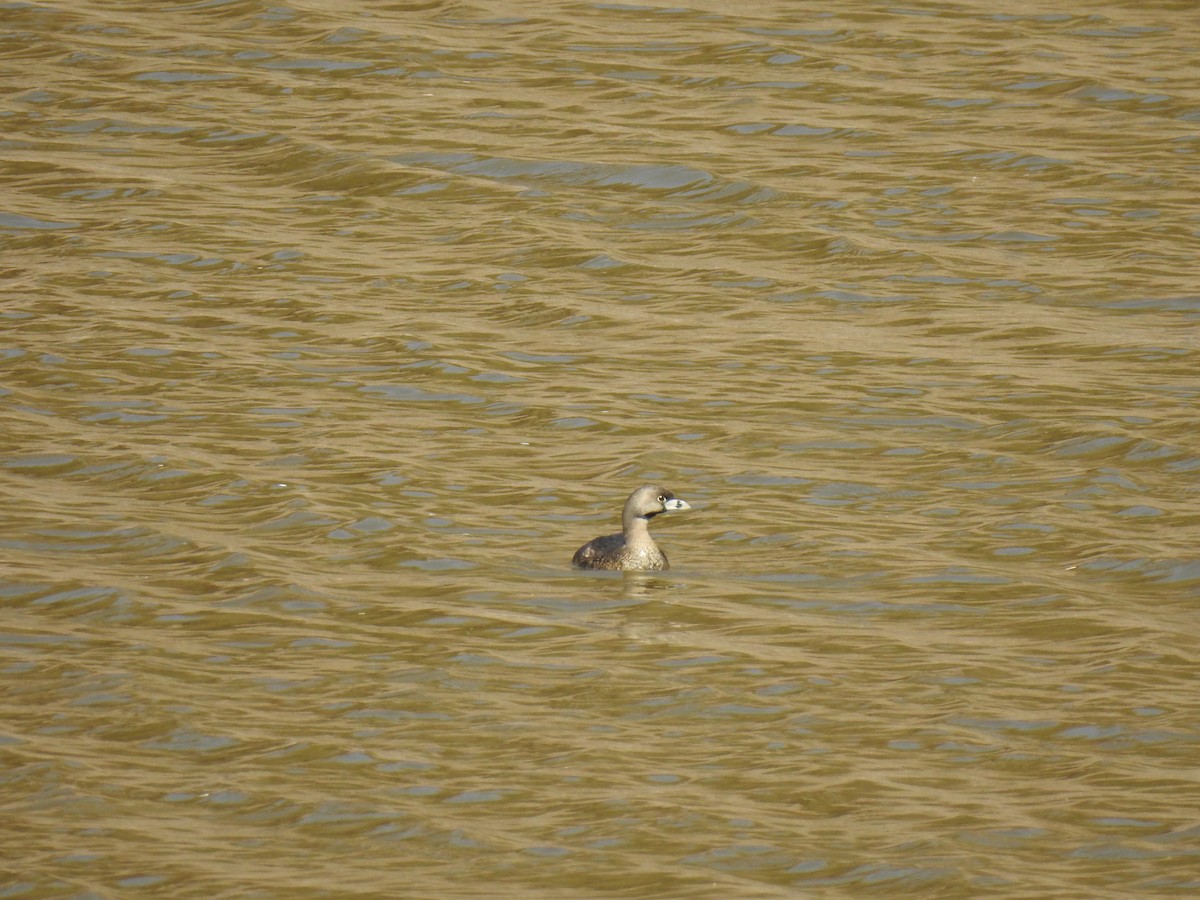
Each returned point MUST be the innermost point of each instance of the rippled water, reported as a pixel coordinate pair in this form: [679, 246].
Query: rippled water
[329, 331]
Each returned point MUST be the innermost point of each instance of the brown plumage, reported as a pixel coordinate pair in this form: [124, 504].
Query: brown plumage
[633, 548]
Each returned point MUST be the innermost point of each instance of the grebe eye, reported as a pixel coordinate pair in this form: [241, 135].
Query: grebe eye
[662, 499]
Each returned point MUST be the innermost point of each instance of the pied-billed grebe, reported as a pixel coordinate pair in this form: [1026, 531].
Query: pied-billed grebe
[633, 548]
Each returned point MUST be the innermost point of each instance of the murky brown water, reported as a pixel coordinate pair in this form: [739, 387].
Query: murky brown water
[328, 331]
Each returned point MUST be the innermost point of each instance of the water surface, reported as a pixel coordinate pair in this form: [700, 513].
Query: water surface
[329, 331]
